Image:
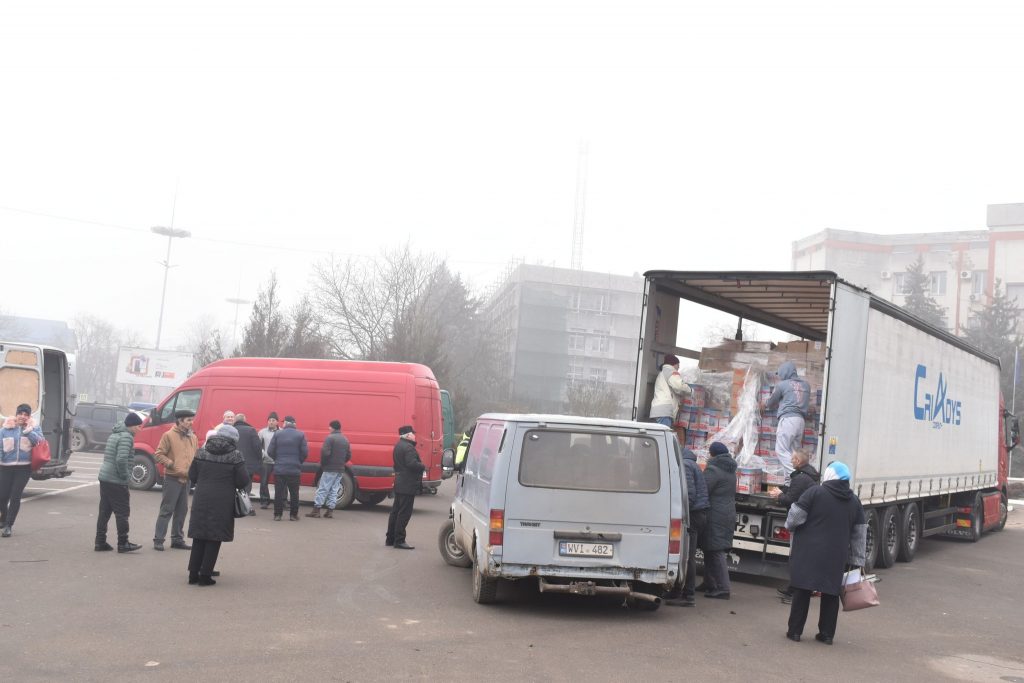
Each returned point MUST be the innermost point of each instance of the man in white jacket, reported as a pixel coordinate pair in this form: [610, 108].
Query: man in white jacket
[669, 387]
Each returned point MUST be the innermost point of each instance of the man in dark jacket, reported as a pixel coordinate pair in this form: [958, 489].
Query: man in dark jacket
[697, 494]
[113, 475]
[720, 476]
[804, 477]
[334, 454]
[251, 448]
[289, 449]
[408, 480]
[829, 532]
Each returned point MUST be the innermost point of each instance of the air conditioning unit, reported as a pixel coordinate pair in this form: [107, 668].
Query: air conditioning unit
[886, 275]
[965, 275]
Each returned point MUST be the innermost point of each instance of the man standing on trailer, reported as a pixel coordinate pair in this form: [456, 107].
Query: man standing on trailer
[669, 387]
[792, 395]
[408, 477]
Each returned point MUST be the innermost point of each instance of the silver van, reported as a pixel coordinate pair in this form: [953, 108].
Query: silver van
[587, 506]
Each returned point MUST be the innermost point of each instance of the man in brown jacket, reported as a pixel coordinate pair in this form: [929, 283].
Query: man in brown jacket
[175, 452]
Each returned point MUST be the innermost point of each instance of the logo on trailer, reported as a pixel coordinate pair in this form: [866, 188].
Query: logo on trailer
[934, 406]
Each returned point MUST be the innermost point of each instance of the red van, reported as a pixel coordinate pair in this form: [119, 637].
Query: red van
[372, 400]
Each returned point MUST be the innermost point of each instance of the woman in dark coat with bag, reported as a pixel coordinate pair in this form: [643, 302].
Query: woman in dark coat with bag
[829, 533]
[217, 471]
[720, 475]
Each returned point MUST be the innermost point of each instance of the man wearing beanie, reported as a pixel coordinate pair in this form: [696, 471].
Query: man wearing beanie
[117, 464]
[266, 434]
[19, 436]
[334, 454]
[720, 476]
[289, 450]
[668, 389]
[408, 480]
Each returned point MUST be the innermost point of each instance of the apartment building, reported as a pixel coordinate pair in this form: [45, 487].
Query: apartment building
[962, 266]
[557, 326]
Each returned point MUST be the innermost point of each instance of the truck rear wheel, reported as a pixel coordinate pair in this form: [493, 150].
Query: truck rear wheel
[871, 548]
[888, 537]
[910, 532]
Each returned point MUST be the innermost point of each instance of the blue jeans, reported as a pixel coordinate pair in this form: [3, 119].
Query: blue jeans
[330, 482]
[667, 421]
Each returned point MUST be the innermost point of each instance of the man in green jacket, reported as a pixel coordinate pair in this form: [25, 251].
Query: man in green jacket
[113, 476]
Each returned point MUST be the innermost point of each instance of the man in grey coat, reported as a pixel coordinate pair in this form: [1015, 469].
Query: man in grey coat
[792, 396]
[334, 455]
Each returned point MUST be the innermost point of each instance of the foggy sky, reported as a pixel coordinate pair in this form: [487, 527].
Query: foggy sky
[719, 132]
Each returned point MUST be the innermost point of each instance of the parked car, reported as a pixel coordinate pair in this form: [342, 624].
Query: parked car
[93, 423]
[585, 506]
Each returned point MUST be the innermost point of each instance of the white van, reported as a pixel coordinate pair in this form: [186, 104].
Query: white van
[587, 506]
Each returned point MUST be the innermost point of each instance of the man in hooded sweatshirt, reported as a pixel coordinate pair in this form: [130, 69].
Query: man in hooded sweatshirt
[829, 531]
[669, 387]
[792, 396]
[720, 476]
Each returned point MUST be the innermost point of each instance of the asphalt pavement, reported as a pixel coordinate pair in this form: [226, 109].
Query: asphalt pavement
[324, 599]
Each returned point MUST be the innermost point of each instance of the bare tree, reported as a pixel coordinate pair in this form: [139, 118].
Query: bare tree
[204, 341]
[266, 333]
[305, 337]
[96, 361]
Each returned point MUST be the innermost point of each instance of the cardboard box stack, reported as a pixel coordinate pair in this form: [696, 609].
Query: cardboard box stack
[722, 371]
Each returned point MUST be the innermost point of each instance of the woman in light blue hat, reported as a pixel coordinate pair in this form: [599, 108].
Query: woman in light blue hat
[829, 533]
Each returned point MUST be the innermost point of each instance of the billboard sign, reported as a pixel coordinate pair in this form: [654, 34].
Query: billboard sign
[152, 367]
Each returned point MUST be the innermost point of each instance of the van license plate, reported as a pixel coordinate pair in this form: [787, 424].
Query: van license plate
[586, 549]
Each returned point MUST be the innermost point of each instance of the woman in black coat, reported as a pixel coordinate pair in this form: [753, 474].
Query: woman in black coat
[829, 532]
[720, 475]
[217, 471]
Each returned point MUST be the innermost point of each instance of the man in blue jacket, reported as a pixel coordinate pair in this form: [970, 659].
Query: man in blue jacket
[289, 449]
[19, 436]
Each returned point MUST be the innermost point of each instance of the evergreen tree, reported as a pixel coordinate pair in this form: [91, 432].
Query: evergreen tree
[266, 333]
[994, 329]
[917, 287]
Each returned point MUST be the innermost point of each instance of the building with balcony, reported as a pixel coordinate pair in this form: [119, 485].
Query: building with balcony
[962, 266]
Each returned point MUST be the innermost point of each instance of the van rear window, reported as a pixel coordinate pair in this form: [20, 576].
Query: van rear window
[587, 461]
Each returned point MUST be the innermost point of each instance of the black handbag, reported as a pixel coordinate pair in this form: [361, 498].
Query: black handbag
[243, 506]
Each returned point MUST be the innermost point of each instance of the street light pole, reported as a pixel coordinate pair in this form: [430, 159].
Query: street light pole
[234, 328]
[170, 233]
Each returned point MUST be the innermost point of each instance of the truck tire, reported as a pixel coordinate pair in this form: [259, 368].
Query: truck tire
[449, 547]
[78, 441]
[346, 492]
[871, 549]
[1004, 510]
[485, 588]
[370, 498]
[910, 532]
[888, 537]
[977, 518]
[142, 475]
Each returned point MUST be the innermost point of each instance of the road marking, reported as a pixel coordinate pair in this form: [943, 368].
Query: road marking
[57, 492]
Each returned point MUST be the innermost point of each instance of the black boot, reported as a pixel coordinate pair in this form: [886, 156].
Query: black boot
[127, 547]
[206, 580]
[193, 578]
[101, 545]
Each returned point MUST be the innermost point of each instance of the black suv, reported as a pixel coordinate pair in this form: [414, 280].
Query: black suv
[93, 424]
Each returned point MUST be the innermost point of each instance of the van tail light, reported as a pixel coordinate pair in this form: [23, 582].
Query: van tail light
[497, 529]
[675, 536]
[781, 533]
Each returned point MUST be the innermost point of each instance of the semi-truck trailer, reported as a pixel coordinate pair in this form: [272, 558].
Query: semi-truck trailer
[914, 411]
